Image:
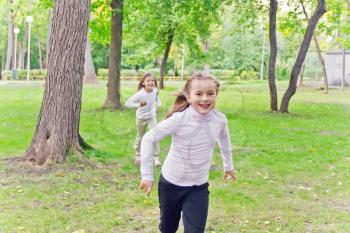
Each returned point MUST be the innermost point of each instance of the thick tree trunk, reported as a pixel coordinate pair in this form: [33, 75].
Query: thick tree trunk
[113, 85]
[57, 130]
[320, 10]
[165, 58]
[273, 55]
[89, 68]
[320, 58]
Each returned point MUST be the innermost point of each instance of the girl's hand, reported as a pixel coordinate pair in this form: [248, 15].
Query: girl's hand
[230, 175]
[143, 103]
[146, 185]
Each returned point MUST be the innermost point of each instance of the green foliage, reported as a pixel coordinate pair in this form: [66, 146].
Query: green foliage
[249, 75]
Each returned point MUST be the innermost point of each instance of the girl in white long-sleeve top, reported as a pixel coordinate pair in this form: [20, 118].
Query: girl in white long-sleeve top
[195, 126]
[147, 101]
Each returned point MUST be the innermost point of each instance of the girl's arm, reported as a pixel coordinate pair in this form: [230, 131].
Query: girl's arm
[226, 148]
[133, 101]
[149, 141]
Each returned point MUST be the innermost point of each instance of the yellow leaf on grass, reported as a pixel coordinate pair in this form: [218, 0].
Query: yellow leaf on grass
[312, 149]
[79, 231]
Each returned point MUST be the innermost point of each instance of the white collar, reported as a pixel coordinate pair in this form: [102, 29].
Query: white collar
[200, 117]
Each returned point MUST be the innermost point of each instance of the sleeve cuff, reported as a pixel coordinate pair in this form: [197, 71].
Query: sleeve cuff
[149, 177]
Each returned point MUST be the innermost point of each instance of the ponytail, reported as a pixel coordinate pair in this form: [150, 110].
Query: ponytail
[179, 105]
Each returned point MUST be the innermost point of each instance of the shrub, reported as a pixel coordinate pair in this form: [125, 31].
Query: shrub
[249, 75]
[35, 74]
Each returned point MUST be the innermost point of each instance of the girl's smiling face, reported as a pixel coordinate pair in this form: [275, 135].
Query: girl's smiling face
[149, 83]
[202, 95]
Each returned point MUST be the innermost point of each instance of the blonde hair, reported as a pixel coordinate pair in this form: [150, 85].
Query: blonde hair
[181, 103]
[144, 76]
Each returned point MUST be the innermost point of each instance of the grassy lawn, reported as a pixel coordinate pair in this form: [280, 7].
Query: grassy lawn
[292, 169]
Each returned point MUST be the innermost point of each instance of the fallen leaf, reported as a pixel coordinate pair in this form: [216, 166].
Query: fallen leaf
[79, 231]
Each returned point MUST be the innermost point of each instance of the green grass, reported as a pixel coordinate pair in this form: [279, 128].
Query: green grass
[292, 169]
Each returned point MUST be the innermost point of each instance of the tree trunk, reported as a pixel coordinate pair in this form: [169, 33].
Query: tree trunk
[113, 85]
[10, 40]
[348, 3]
[320, 10]
[48, 36]
[21, 55]
[89, 68]
[320, 58]
[206, 67]
[165, 58]
[40, 55]
[57, 130]
[301, 82]
[273, 55]
[22, 51]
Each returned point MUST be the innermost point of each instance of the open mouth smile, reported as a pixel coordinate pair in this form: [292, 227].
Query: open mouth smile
[205, 106]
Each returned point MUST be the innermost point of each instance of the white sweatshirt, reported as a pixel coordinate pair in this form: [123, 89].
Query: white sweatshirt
[150, 109]
[194, 137]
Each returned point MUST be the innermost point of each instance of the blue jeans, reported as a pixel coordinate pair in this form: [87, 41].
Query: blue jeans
[192, 201]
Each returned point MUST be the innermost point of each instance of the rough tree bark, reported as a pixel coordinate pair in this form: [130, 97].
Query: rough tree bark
[273, 55]
[89, 68]
[320, 10]
[57, 130]
[113, 85]
[320, 58]
[165, 57]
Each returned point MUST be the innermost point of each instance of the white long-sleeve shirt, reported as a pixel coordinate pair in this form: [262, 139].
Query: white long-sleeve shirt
[149, 110]
[194, 137]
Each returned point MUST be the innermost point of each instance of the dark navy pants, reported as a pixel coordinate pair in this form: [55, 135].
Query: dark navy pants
[192, 201]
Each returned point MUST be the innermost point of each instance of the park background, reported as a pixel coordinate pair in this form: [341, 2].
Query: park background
[292, 167]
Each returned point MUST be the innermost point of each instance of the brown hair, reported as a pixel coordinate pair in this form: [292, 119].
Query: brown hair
[146, 75]
[181, 103]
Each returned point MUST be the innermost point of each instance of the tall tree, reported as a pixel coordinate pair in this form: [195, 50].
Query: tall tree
[320, 58]
[273, 55]
[320, 10]
[10, 37]
[169, 23]
[57, 130]
[165, 56]
[113, 85]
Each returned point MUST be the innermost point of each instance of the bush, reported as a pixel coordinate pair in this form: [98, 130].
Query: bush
[248, 75]
[35, 74]
[102, 74]
[223, 74]
[282, 73]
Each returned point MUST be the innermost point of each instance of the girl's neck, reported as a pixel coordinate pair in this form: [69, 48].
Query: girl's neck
[198, 113]
[148, 90]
